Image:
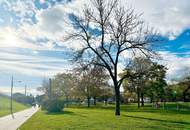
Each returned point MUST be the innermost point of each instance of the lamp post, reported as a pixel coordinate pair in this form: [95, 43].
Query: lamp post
[11, 107]
[25, 90]
[50, 89]
[11, 104]
[174, 94]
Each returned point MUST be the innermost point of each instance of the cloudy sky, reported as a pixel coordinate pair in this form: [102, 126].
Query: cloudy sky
[32, 46]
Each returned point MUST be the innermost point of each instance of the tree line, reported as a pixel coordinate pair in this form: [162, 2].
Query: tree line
[87, 85]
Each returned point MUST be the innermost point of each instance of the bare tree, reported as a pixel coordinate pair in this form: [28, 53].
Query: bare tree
[108, 30]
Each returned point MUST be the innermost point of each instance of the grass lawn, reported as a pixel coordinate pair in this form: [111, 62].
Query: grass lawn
[103, 119]
[5, 106]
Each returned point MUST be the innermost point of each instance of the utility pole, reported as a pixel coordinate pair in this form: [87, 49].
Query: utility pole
[50, 89]
[104, 97]
[25, 90]
[11, 105]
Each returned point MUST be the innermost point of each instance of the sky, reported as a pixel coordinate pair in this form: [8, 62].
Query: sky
[32, 46]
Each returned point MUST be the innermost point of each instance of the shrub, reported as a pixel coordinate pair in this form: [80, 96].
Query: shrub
[53, 105]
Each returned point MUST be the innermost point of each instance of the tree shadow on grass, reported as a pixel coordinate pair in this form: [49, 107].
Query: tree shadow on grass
[160, 111]
[133, 108]
[61, 113]
[159, 120]
[147, 108]
[129, 108]
[64, 113]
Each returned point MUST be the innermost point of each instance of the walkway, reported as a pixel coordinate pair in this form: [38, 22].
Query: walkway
[8, 123]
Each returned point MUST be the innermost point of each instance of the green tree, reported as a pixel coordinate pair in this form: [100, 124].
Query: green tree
[138, 71]
[57, 91]
[91, 82]
[62, 86]
[156, 84]
[145, 77]
[185, 86]
[174, 92]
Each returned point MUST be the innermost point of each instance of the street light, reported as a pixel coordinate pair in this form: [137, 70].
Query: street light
[174, 95]
[11, 105]
[25, 90]
[50, 89]
[175, 98]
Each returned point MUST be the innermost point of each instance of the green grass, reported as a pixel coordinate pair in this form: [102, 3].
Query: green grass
[5, 106]
[177, 105]
[102, 118]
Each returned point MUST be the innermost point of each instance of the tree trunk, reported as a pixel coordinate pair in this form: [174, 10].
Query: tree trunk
[184, 97]
[151, 98]
[95, 100]
[164, 103]
[117, 98]
[106, 102]
[185, 93]
[142, 100]
[138, 98]
[88, 98]
[67, 100]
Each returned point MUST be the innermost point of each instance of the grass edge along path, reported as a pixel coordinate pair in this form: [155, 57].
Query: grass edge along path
[5, 106]
[103, 119]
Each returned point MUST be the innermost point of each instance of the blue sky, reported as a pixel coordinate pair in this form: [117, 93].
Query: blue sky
[32, 46]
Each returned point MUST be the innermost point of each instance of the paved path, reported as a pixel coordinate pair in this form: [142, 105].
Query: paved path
[8, 123]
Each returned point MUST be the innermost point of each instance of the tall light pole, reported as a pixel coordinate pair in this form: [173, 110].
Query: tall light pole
[50, 89]
[11, 107]
[25, 90]
[11, 104]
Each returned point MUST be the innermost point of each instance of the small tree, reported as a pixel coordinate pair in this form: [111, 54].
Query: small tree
[56, 91]
[92, 80]
[63, 84]
[138, 73]
[156, 84]
[185, 87]
[145, 77]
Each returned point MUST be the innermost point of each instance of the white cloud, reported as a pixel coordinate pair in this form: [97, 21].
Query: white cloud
[53, 24]
[177, 66]
[51, 20]
[50, 25]
[22, 9]
[32, 65]
[10, 37]
[42, 1]
[171, 16]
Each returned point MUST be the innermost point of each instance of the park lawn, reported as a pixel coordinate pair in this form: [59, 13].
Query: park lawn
[5, 106]
[103, 119]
